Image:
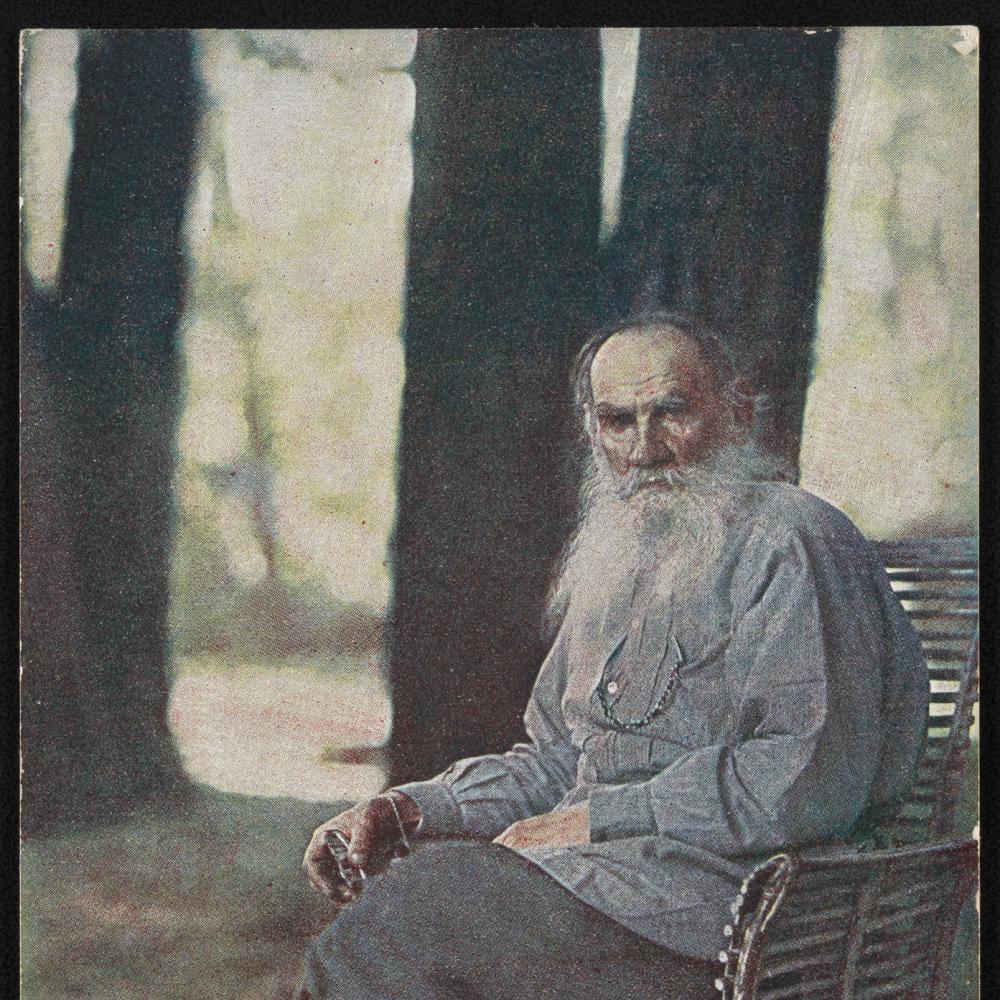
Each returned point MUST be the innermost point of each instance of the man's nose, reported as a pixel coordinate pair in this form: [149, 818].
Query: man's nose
[650, 448]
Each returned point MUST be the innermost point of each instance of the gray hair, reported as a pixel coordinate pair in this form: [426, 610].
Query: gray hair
[715, 351]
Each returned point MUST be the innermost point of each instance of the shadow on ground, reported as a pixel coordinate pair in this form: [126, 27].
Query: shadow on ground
[204, 900]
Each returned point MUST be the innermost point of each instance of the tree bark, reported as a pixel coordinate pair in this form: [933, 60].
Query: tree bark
[502, 272]
[100, 391]
[723, 196]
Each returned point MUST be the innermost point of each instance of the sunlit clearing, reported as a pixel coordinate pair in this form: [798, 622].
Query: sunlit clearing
[890, 432]
[49, 96]
[619, 56]
[296, 231]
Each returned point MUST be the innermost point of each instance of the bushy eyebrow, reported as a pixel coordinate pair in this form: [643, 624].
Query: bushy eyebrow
[666, 400]
[610, 410]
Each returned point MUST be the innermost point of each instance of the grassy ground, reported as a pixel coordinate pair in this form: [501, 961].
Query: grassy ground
[205, 900]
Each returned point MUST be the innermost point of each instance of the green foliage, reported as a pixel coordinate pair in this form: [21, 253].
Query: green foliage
[203, 592]
[352, 506]
[896, 340]
[214, 612]
[905, 49]
[294, 364]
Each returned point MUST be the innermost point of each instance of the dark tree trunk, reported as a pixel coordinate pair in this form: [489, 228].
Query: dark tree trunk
[723, 196]
[100, 375]
[505, 214]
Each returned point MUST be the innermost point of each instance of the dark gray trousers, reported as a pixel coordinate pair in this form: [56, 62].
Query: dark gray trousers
[461, 920]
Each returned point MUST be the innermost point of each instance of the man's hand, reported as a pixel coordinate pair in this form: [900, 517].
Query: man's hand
[554, 829]
[374, 836]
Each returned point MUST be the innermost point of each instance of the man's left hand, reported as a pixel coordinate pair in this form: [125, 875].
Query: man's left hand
[554, 829]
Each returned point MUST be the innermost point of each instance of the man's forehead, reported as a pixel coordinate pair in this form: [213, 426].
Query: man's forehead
[649, 362]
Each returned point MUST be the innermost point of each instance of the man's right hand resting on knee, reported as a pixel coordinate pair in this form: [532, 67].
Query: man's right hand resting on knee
[376, 831]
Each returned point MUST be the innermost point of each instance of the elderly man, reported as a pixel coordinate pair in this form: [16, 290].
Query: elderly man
[731, 676]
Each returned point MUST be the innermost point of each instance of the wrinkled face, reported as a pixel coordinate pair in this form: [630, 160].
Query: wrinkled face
[657, 406]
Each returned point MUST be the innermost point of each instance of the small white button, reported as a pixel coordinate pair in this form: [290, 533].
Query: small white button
[636, 623]
[612, 687]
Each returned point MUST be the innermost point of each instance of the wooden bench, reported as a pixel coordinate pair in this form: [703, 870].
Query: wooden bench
[876, 917]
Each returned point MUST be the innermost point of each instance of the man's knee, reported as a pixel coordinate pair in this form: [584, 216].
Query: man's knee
[393, 932]
[411, 916]
[340, 961]
[401, 896]
[450, 869]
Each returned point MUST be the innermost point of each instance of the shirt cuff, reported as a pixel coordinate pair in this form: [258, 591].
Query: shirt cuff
[439, 810]
[619, 811]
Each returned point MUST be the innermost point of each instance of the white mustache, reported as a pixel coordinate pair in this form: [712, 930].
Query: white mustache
[638, 478]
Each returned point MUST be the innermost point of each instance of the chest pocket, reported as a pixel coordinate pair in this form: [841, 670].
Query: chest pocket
[669, 678]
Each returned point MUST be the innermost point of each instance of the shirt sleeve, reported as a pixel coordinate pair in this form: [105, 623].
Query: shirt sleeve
[482, 796]
[804, 665]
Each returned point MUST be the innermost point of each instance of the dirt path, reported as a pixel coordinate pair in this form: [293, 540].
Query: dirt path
[259, 730]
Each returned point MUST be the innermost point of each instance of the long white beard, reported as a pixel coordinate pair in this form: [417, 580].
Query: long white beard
[623, 527]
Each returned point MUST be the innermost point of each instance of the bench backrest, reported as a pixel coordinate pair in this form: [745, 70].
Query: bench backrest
[937, 581]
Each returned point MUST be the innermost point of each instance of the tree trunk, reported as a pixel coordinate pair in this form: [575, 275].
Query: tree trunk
[504, 223]
[723, 196]
[100, 374]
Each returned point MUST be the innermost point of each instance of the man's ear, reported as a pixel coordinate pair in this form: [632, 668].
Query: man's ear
[742, 396]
